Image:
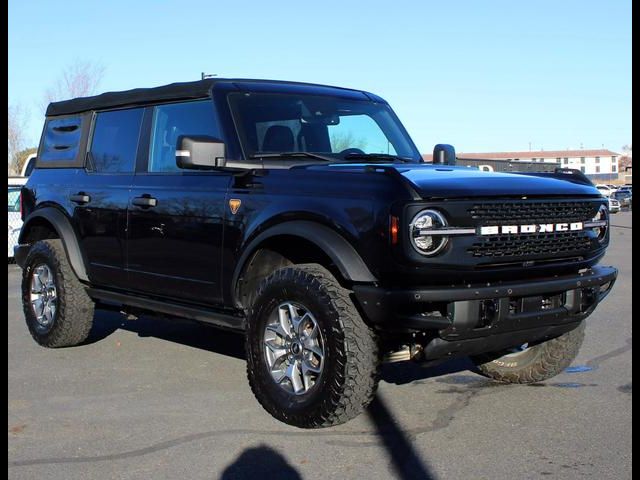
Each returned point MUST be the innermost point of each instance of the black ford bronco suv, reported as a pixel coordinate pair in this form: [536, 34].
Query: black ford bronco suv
[304, 216]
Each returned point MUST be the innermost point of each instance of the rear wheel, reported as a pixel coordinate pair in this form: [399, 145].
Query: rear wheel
[57, 309]
[532, 363]
[311, 360]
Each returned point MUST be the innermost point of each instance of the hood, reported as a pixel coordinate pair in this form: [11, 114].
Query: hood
[439, 181]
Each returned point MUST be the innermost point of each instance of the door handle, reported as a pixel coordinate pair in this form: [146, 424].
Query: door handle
[145, 201]
[80, 198]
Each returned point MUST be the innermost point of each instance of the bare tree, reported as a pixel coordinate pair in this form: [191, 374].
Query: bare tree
[17, 121]
[80, 79]
[626, 157]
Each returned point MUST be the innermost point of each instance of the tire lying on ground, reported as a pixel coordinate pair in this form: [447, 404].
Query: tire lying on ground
[57, 309]
[311, 360]
[533, 363]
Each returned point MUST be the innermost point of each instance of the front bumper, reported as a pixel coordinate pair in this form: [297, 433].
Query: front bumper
[479, 318]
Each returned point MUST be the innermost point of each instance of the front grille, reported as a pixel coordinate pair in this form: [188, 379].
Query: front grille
[523, 212]
[534, 245]
[560, 244]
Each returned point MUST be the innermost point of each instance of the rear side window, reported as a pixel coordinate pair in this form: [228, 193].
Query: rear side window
[114, 144]
[63, 141]
[172, 121]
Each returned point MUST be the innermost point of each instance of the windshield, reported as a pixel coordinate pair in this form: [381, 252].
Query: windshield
[279, 123]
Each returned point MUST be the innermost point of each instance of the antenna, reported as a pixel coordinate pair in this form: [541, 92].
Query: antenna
[207, 75]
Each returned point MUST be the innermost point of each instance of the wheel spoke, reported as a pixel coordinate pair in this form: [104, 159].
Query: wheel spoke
[274, 352]
[285, 322]
[317, 351]
[278, 330]
[38, 306]
[293, 373]
[278, 375]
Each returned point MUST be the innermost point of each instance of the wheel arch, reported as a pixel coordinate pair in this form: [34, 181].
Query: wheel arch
[41, 224]
[322, 244]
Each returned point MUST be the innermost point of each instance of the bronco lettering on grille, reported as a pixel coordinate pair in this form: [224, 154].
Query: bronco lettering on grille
[534, 228]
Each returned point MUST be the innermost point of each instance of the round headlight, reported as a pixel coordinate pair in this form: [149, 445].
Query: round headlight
[602, 216]
[422, 239]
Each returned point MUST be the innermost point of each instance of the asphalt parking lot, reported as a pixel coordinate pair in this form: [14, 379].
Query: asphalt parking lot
[162, 398]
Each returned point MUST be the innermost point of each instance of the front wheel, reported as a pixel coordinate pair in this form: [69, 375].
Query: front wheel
[311, 360]
[532, 363]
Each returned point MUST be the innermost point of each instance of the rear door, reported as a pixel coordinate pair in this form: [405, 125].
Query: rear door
[100, 194]
[175, 216]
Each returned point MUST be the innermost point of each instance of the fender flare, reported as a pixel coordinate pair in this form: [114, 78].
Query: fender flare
[337, 248]
[66, 233]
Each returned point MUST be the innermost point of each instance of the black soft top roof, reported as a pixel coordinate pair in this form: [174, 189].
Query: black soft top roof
[178, 91]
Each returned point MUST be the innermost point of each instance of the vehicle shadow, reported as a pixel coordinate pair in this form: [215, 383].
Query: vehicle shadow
[177, 330]
[205, 337]
[260, 462]
[407, 372]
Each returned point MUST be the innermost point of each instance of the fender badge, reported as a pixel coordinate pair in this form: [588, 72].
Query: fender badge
[234, 205]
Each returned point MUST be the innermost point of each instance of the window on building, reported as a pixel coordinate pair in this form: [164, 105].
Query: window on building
[542, 159]
[597, 168]
[597, 160]
[533, 159]
[558, 159]
[582, 169]
[566, 161]
[582, 159]
[613, 159]
[114, 144]
[614, 168]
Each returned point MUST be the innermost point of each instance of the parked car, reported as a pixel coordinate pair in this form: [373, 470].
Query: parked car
[13, 215]
[605, 190]
[623, 196]
[614, 205]
[304, 217]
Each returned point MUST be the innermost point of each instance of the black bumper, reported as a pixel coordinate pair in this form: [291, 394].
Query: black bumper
[476, 318]
[20, 253]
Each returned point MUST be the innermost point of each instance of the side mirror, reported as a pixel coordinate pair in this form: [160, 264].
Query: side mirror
[200, 152]
[444, 154]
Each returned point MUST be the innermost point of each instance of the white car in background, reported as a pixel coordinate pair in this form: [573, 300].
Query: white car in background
[13, 213]
[606, 190]
[614, 205]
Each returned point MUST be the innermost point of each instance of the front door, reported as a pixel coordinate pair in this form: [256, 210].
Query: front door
[175, 216]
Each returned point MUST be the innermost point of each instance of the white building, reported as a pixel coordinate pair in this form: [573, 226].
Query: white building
[598, 165]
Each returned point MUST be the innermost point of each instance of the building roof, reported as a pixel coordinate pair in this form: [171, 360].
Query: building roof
[529, 154]
[187, 90]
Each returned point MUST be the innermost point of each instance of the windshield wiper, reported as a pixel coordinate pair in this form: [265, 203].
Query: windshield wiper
[293, 154]
[377, 156]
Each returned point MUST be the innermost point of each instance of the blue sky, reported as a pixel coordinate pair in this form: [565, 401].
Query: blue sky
[481, 75]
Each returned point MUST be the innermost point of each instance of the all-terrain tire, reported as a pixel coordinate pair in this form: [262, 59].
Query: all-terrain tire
[73, 317]
[536, 363]
[350, 374]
